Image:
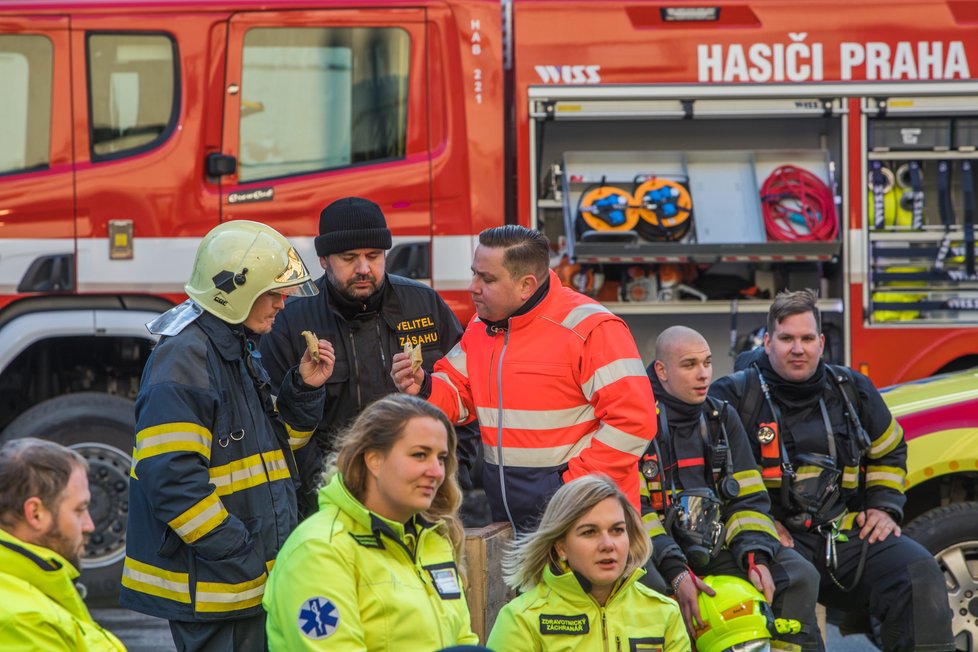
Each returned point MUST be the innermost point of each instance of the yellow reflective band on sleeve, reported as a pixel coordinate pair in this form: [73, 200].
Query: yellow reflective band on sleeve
[268, 565]
[653, 526]
[298, 438]
[173, 438]
[891, 477]
[200, 519]
[750, 482]
[748, 521]
[215, 597]
[850, 477]
[151, 580]
[773, 483]
[886, 442]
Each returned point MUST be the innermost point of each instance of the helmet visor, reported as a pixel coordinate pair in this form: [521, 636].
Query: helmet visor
[294, 281]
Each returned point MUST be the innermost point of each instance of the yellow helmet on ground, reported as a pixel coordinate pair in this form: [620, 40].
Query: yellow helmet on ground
[237, 262]
[736, 619]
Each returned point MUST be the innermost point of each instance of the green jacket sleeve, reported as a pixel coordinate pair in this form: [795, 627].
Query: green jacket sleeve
[307, 611]
[510, 632]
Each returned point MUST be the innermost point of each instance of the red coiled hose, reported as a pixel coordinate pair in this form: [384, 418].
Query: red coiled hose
[792, 197]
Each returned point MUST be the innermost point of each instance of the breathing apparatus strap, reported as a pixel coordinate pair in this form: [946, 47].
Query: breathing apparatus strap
[917, 190]
[787, 471]
[946, 211]
[829, 436]
[968, 190]
[879, 189]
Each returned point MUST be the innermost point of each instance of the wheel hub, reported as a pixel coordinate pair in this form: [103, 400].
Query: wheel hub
[108, 481]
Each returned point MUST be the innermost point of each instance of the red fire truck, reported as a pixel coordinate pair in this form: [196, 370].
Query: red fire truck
[690, 159]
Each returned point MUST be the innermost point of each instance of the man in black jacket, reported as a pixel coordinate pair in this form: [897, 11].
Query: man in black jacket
[701, 460]
[368, 316]
[834, 460]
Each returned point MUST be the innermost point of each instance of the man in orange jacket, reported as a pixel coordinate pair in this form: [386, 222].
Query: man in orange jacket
[553, 377]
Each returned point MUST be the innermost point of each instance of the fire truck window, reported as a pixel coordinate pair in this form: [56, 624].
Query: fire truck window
[25, 111]
[321, 98]
[131, 90]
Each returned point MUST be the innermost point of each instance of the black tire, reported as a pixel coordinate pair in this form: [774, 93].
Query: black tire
[950, 533]
[100, 427]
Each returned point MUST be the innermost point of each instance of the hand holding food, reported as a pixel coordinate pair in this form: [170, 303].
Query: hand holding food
[312, 343]
[414, 353]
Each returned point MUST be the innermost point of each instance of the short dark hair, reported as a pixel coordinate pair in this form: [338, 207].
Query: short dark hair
[788, 303]
[29, 468]
[527, 250]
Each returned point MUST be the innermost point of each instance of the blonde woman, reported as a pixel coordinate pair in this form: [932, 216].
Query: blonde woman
[377, 567]
[578, 572]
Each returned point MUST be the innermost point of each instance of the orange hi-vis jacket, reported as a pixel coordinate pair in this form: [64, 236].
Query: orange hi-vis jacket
[559, 394]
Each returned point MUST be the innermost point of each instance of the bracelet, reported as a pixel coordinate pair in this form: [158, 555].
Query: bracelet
[678, 579]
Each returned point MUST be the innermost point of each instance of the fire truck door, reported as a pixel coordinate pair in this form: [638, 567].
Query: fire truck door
[325, 104]
[141, 102]
[36, 206]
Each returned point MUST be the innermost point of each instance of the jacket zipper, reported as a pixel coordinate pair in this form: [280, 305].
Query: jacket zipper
[380, 342]
[356, 370]
[424, 581]
[499, 428]
[604, 631]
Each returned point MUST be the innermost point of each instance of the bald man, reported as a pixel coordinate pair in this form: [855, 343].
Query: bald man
[702, 461]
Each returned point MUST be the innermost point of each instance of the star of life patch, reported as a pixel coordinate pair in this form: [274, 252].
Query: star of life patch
[318, 618]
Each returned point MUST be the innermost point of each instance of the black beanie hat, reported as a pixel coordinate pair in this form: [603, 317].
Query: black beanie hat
[352, 223]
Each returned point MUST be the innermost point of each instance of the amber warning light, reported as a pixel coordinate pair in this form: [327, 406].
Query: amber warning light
[690, 14]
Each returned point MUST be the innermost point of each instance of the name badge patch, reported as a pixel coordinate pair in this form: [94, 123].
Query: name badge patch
[572, 625]
[650, 644]
[445, 579]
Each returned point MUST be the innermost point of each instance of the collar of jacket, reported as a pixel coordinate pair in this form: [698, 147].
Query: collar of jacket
[336, 493]
[390, 303]
[530, 310]
[43, 569]
[222, 335]
[571, 587]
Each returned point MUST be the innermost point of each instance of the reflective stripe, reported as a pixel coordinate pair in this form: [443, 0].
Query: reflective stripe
[850, 477]
[463, 413]
[249, 472]
[276, 466]
[807, 473]
[269, 564]
[750, 482]
[580, 313]
[748, 521]
[536, 419]
[620, 440]
[298, 438]
[653, 526]
[611, 372]
[457, 358]
[536, 457]
[200, 519]
[151, 580]
[848, 521]
[172, 438]
[214, 597]
[892, 477]
[886, 442]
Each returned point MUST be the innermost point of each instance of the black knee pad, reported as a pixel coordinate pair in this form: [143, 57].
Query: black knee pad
[931, 625]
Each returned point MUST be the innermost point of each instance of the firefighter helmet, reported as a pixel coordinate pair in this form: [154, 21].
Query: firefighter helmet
[736, 619]
[238, 261]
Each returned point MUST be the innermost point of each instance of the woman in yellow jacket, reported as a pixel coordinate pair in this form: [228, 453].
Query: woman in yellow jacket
[376, 568]
[579, 572]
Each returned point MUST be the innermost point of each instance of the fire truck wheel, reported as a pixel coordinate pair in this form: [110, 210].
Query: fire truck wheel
[951, 533]
[100, 427]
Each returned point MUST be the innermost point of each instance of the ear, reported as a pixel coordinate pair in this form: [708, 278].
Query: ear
[821, 344]
[36, 515]
[660, 371]
[323, 262]
[560, 548]
[528, 285]
[373, 459]
[767, 342]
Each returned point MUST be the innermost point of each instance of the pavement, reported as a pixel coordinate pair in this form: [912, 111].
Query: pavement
[147, 634]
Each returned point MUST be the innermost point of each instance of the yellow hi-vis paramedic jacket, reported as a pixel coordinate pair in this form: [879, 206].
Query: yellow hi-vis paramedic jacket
[40, 608]
[558, 615]
[348, 579]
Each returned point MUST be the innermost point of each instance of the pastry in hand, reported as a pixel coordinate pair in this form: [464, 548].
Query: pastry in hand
[414, 352]
[312, 343]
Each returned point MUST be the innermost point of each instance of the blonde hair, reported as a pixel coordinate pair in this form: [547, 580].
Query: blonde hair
[530, 554]
[378, 428]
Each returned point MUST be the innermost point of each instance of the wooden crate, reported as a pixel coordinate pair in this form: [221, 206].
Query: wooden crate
[484, 588]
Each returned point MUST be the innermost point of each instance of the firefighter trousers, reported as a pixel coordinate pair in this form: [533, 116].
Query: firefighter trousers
[240, 635]
[900, 584]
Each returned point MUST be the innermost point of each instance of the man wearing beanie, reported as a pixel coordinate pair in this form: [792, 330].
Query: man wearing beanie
[368, 316]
